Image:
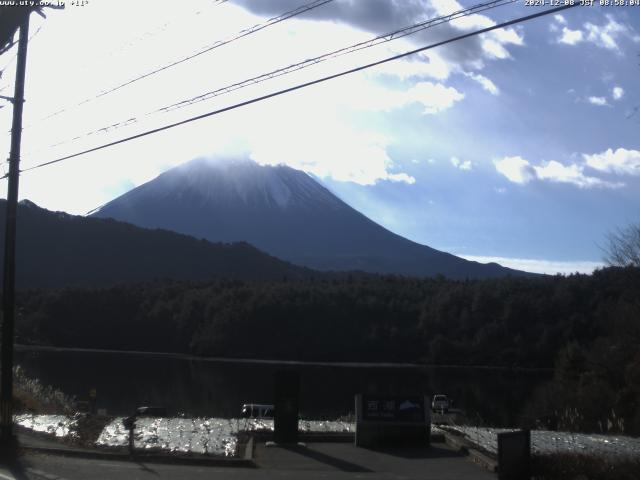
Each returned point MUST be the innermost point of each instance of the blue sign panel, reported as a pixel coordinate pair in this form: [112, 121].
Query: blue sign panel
[393, 409]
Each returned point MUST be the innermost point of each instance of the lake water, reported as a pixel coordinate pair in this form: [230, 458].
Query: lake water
[202, 387]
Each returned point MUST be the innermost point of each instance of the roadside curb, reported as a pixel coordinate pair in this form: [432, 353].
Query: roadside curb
[483, 460]
[459, 443]
[309, 437]
[245, 462]
[476, 456]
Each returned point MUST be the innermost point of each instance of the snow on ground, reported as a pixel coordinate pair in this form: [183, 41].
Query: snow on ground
[543, 441]
[304, 426]
[215, 436]
[58, 425]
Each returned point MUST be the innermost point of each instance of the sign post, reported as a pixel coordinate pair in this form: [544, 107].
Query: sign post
[287, 405]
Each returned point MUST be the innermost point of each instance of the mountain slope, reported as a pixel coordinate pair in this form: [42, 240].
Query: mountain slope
[56, 249]
[283, 212]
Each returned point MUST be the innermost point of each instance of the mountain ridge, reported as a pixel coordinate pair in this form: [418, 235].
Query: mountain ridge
[284, 212]
[57, 249]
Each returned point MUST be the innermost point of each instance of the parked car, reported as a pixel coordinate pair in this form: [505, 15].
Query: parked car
[151, 412]
[255, 410]
[129, 422]
[440, 403]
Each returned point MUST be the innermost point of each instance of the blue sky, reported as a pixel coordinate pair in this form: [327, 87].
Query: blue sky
[520, 146]
[544, 112]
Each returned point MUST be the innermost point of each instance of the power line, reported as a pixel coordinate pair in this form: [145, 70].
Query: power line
[306, 84]
[380, 39]
[243, 33]
[143, 37]
[116, 51]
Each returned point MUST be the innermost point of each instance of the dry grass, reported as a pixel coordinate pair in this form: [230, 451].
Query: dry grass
[30, 396]
[88, 429]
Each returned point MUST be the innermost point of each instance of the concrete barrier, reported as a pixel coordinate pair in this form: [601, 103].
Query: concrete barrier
[514, 455]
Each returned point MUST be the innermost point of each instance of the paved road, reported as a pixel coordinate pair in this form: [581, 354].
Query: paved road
[314, 462]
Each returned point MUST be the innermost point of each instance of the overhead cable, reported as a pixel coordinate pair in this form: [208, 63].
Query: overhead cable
[306, 84]
[386, 37]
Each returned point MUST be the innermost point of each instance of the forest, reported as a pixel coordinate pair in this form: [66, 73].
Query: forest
[587, 327]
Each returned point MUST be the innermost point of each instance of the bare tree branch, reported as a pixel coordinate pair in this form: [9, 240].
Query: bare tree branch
[623, 247]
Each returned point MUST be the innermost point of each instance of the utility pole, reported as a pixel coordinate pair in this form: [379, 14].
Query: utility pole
[9, 279]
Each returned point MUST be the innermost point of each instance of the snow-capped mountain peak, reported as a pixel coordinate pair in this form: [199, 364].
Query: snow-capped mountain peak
[284, 212]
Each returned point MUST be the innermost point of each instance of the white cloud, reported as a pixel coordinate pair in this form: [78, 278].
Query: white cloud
[550, 267]
[508, 36]
[486, 83]
[571, 37]
[599, 101]
[352, 155]
[495, 49]
[515, 169]
[605, 36]
[461, 165]
[557, 172]
[493, 43]
[424, 64]
[617, 92]
[381, 16]
[621, 161]
[560, 19]
[400, 177]
[433, 97]
[518, 170]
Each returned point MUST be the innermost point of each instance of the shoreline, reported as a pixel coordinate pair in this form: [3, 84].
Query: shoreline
[190, 357]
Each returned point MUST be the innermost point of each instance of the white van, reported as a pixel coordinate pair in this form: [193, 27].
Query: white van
[440, 403]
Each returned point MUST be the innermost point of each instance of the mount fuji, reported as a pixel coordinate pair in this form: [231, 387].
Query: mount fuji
[284, 212]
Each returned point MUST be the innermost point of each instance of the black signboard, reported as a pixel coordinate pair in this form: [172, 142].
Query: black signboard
[393, 408]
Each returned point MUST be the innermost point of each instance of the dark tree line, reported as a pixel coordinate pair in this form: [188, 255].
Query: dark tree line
[588, 326]
[510, 322]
